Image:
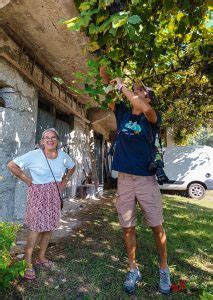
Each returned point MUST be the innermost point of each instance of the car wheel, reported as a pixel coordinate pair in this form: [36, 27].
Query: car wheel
[196, 191]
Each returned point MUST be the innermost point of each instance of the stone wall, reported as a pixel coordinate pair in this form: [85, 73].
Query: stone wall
[18, 126]
[80, 153]
[18, 122]
[17, 136]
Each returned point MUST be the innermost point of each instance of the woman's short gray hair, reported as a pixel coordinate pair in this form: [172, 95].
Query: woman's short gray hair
[50, 129]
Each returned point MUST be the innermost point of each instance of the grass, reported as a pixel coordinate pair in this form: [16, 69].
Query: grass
[91, 263]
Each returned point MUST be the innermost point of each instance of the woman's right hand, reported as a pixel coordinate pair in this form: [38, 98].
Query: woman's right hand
[62, 185]
[17, 171]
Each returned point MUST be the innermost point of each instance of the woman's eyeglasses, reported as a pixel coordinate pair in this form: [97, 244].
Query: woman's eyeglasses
[54, 138]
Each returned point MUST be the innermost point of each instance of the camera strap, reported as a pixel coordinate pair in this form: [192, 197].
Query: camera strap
[150, 139]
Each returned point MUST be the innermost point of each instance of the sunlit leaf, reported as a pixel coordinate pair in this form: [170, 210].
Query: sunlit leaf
[85, 6]
[103, 15]
[93, 29]
[135, 19]
[105, 3]
[105, 26]
[93, 46]
[119, 21]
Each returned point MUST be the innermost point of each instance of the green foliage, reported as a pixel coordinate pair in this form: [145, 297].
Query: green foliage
[93, 84]
[206, 296]
[203, 136]
[165, 43]
[9, 269]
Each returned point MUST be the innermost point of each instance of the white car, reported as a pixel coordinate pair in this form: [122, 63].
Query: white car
[189, 168]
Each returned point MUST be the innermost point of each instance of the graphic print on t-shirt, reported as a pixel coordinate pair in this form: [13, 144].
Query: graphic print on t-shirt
[132, 127]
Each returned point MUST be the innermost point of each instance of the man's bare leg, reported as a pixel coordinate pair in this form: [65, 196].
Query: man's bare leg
[130, 243]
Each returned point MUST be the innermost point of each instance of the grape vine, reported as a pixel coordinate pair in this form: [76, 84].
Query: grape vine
[165, 43]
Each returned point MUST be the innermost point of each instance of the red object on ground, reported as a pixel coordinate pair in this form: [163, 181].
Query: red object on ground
[174, 288]
[181, 286]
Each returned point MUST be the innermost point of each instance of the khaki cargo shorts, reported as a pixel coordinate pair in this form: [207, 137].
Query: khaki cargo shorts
[145, 191]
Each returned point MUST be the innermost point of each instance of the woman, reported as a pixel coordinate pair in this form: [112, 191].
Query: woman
[43, 199]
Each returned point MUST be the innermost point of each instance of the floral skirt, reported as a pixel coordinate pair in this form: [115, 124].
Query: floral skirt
[43, 207]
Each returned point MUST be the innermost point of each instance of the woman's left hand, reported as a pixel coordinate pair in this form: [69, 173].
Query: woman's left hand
[62, 185]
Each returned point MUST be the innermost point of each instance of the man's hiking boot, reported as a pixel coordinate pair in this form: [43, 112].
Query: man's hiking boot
[165, 283]
[132, 277]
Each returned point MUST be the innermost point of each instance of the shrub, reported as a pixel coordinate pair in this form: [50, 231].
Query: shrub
[9, 268]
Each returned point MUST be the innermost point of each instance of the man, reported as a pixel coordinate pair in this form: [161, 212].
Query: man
[132, 157]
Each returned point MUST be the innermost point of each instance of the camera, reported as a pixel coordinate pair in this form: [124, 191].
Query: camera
[157, 167]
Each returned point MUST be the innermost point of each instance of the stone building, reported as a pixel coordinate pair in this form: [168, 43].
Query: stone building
[34, 50]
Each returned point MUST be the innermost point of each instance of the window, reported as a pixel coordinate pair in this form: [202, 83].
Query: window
[69, 119]
[44, 105]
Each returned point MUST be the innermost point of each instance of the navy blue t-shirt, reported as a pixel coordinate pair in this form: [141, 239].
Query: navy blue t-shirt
[133, 150]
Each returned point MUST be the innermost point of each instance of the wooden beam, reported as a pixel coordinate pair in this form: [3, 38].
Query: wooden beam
[41, 87]
[33, 65]
[43, 76]
[20, 53]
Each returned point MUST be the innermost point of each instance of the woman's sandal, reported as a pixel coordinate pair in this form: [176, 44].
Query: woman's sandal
[30, 273]
[47, 263]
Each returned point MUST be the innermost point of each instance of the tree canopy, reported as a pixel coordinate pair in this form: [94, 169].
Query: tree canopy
[166, 43]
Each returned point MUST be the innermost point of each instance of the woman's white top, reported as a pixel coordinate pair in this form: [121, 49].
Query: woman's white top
[40, 172]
